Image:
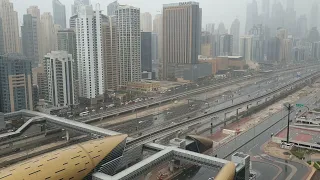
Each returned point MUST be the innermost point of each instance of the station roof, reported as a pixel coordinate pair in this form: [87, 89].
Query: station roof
[74, 162]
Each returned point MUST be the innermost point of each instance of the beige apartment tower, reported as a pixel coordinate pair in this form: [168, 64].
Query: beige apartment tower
[48, 34]
[11, 28]
[146, 22]
[110, 53]
[181, 34]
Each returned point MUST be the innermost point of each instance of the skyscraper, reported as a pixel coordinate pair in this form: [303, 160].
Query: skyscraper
[157, 24]
[252, 15]
[314, 15]
[259, 37]
[181, 33]
[66, 39]
[59, 13]
[16, 83]
[154, 47]
[313, 35]
[246, 48]
[315, 52]
[146, 53]
[112, 7]
[155, 55]
[285, 45]
[110, 53]
[30, 39]
[207, 44]
[273, 47]
[39, 79]
[302, 26]
[129, 40]
[89, 54]
[67, 42]
[157, 28]
[277, 17]
[34, 11]
[222, 29]
[226, 45]
[146, 22]
[59, 75]
[77, 4]
[48, 34]
[265, 12]
[235, 32]
[210, 28]
[290, 18]
[290, 5]
[11, 29]
[1, 38]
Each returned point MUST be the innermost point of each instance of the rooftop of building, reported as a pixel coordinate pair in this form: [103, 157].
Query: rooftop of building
[125, 6]
[181, 4]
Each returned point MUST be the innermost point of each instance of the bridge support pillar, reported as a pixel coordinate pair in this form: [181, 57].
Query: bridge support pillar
[67, 136]
[237, 118]
[225, 120]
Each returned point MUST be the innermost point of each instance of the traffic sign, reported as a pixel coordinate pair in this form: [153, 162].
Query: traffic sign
[300, 105]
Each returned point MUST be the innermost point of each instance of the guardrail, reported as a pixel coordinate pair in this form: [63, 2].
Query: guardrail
[199, 118]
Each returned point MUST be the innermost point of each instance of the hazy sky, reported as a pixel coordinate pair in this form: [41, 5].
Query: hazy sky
[213, 11]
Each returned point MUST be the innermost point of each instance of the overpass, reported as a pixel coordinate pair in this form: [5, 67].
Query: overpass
[131, 108]
[159, 133]
[37, 117]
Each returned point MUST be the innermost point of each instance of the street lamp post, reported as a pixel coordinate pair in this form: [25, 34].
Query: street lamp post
[289, 107]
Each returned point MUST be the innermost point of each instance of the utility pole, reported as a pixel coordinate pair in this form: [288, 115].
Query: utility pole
[289, 107]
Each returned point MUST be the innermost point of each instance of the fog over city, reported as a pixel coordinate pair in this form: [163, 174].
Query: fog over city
[214, 11]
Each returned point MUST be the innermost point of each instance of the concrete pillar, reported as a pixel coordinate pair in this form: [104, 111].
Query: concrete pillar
[225, 120]
[67, 136]
[237, 115]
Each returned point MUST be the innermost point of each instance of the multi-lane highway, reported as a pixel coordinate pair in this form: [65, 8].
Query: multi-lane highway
[156, 101]
[129, 108]
[148, 124]
[161, 132]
